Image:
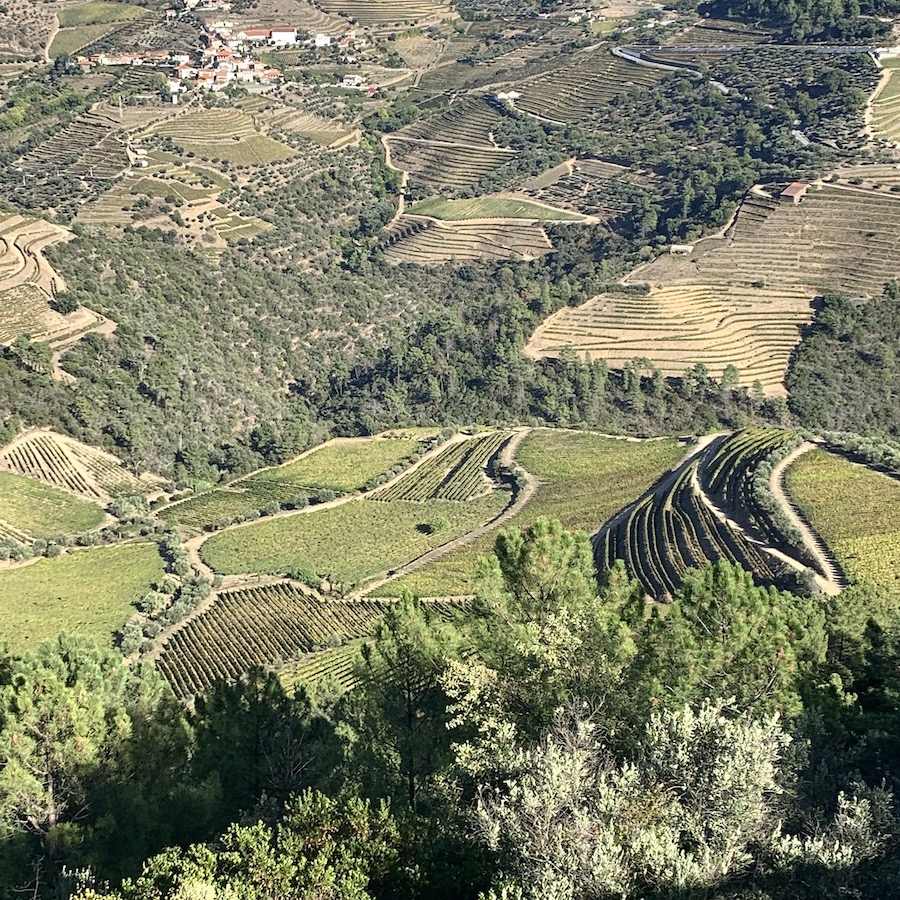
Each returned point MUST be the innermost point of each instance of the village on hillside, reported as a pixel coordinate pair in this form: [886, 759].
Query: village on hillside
[229, 53]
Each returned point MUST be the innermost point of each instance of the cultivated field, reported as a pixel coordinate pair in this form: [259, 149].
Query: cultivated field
[97, 12]
[259, 626]
[88, 592]
[382, 535]
[741, 300]
[67, 464]
[492, 208]
[854, 509]
[425, 242]
[885, 105]
[456, 473]
[679, 525]
[754, 329]
[418, 51]
[25, 28]
[341, 465]
[30, 509]
[167, 182]
[224, 134]
[447, 166]
[388, 12]
[583, 86]
[583, 479]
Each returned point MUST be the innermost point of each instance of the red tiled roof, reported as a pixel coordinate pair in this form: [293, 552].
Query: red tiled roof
[795, 189]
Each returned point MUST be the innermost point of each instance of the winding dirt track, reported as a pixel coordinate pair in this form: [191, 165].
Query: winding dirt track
[523, 495]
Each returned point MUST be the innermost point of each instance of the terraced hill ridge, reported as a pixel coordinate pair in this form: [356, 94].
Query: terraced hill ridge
[741, 300]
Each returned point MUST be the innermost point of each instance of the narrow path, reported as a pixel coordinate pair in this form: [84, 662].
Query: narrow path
[522, 496]
[401, 197]
[833, 577]
[54, 31]
[869, 113]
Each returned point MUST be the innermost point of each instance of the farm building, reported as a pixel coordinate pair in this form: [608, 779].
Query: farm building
[283, 37]
[794, 192]
[254, 35]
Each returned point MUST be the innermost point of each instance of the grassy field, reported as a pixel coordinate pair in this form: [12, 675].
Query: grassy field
[341, 465]
[491, 208]
[71, 40]
[42, 511]
[345, 465]
[855, 510]
[350, 542]
[91, 592]
[97, 12]
[584, 479]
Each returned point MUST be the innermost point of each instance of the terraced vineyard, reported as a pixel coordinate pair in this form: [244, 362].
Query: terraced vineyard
[447, 166]
[709, 35]
[582, 479]
[469, 120]
[65, 463]
[884, 174]
[753, 329]
[28, 283]
[840, 237]
[337, 666]
[582, 87]
[741, 301]
[456, 473]
[425, 242]
[90, 147]
[258, 626]
[226, 134]
[677, 525]
[492, 208]
[886, 105]
[388, 12]
[322, 131]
